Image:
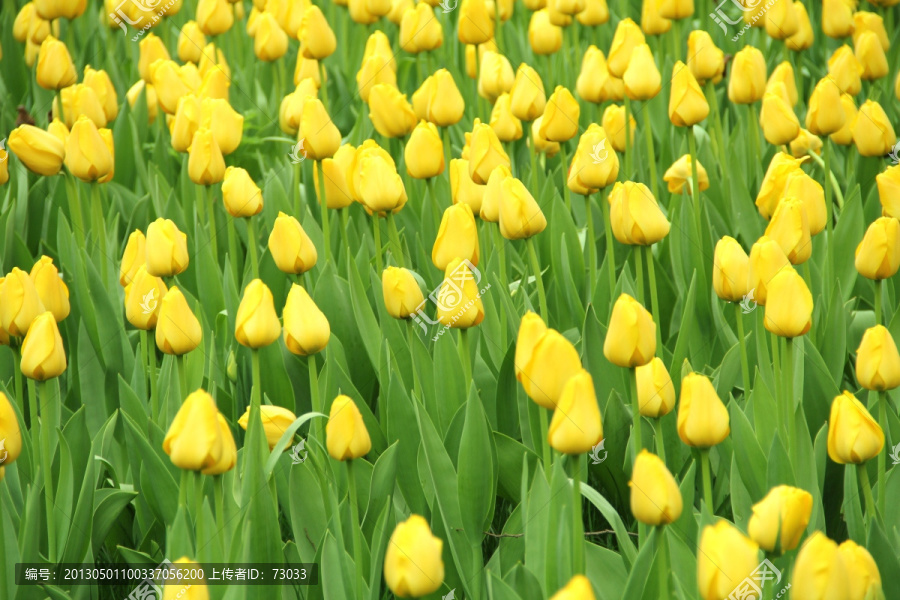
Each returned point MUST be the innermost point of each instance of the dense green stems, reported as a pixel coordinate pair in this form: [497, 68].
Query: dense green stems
[500, 245]
[151, 364]
[251, 247]
[577, 461]
[49, 423]
[256, 392]
[75, 209]
[754, 140]
[534, 177]
[639, 271]
[745, 368]
[536, 270]
[323, 77]
[232, 249]
[776, 367]
[591, 242]
[219, 494]
[182, 376]
[707, 480]
[545, 443]
[637, 441]
[99, 226]
[435, 206]
[651, 152]
[695, 186]
[660, 439]
[394, 235]
[296, 191]
[867, 490]
[654, 296]
[376, 232]
[663, 560]
[829, 210]
[565, 175]
[315, 400]
[213, 229]
[356, 526]
[344, 217]
[789, 397]
[17, 376]
[713, 100]
[879, 290]
[35, 428]
[417, 385]
[882, 456]
[627, 171]
[326, 233]
[183, 487]
[610, 248]
[465, 357]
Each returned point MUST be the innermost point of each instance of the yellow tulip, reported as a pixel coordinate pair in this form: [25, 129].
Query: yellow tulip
[459, 286]
[790, 228]
[812, 195]
[863, 578]
[29, 26]
[656, 393]
[152, 49]
[653, 23]
[819, 570]
[337, 186]
[731, 270]
[472, 65]
[241, 196]
[771, 191]
[877, 360]
[544, 36]
[527, 98]
[275, 420]
[873, 133]
[346, 435]
[705, 60]
[576, 426]
[626, 38]
[438, 100]
[557, 17]
[9, 431]
[133, 257]
[177, 329]
[490, 193]
[520, 215]
[655, 497]
[504, 123]
[270, 42]
[781, 19]
[380, 188]
[54, 294]
[424, 154]
[190, 42]
[878, 254]
[55, 69]
[457, 237]
[291, 107]
[59, 9]
[531, 331]
[687, 103]
[542, 144]
[495, 76]
[308, 68]
[186, 122]
[560, 119]
[789, 304]
[777, 119]
[642, 78]
[390, 112]
[679, 176]
[869, 22]
[595, 83]
[853, 435]
[142, 299]
[804, 37]
[321, 136]
[135, 91]
[475, 23]
[87, 156]
[703, 420]
[374, 70]
[40, 151]
[206, 165]
[844, 136]
[256, 324]
[172, 83]
[402, 295]
[174, 590]
[593, 166]
[212, 59]
[870, 54]
[889, 191]
[845, 71]
[4, 166]
[631, 337]
[106, 93]
[837, 18]
[79, 100]
[412, 561]
[578, 588]
[290, 247]
[614, 123]
[780, 518]
[317, 40]
[805, 143]
[194, 441]
[20, 303]
[214, 17]
[226, 124]
[359, 12]
[767, 259]
[486, 153]
[676, 9]
[596, 12]
[783, 75]
[748, 77]
[43, 354]
[228, 458]
[420, 31]
[306, 330]
[635, 216]
[726, 558]
[548, 362]
[59, 130]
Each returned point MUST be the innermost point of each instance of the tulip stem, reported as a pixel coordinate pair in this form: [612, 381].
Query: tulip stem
[639, 271]
[882, 459]
[154, 394]
[417, 385]
[49, 423]
[789, 396]
[713, 100]
[219, 493]
[394, 236]
[638, 441]
[564, 168]
[232, 249]
[829, 175]
[344, 216]
[99, 227]
[534, 177]
[654, 296]
[695, 186]
[182, 489]
[324, 85]
[867, 490]
[829, 254]
[326, 234]
[577, 461]
[545, 443]
[627, 172]
[35, 428]
[296, 194]
[660, 439]
[357, 541]
[251, 247]
[651, 152]
[256, 389]
[75, 210]
[755, 156]
[500, 244]
[314, 393]
[610, 249]
[536, 269]
[707, 480]
[779, 389]
[663, 559]
[591, 243]
[879, 289]
[436, 207]
[745, 364]
[465, 357]
[376, 232]
[17, 376]
[210, 196]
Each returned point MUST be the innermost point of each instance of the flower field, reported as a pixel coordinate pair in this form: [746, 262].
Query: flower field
[457, 299]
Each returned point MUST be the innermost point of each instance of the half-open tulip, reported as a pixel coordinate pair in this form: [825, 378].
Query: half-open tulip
[790, 228]
[412, 562]
[290, 246]
[486, 153]
[631, 337]
[593, 166]
[177, 330]
[576, 426]
[679, 176]
[20, 303]
[655, 497]
[55, 69]
[240, 194]
[475, 23]
[845, 71]
[771, 191]
[613, 123]
[777, 119]
[863, 577]
[506, 126]
[780, 518]
[819, 570]
[40, 151]
[206, 165]
[438, 100]
[687, 104]
[457, 237]
[626, 38]
[543, 36]
[99, 81]
[731, 270]
[560, 119]
[653, 23]
[702, 418]
[214, 17]
[878, 254]
[495, 76]
[747, 83]
[595, 83]
[870, 55]
[705, 60]
[43, 354]
[401, 292]
[87, 156]
[726, 558]
[541, 144]
[142, 88]
[54, 294]
[346, 435]
[825, 114]
[873, 133]
[390, 112]
[191, 42]
[781, 19]
[635, 216]
[520, 215]
[275, 420]
[194, 441]
[767, 259]
[142, 299]
[270, 41]
[317, 40]
[166, 249]
[551, 361]
[420, 31]
[853, 435]
[306, 330]
[79, 100]
[655, 390]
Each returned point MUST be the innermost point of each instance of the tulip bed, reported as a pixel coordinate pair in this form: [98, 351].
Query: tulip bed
[570, 299]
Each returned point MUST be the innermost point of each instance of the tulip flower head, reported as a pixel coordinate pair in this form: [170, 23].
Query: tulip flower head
[275, 420]
[306, 329]
[576, 426]
[853, 435]
[631, 336]
[726, 558]
[413, 566]
[703, 420]
[819, 570]
[655, 497]
[780, 518]
[346, 434]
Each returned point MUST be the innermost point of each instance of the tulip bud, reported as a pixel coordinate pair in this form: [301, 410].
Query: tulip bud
[680, 176]
[228, 459]
[270, 42]
[142, 299]
[491, 193]
[225, 123]
[578, 588]
[782, 20]
[837, 18]
[731, 270]
[635, 216]
[520, 215]
[560, 119]
[337, 187]
[373, 72]
[853, 435]
[10, 432]
[780, 518]
[547, 361]
[542, 144]
[134, 92]
[461, 305]
[544, 36]
[805, 143]
[705, 60]
[152, 49]
[687, 104]
[291, 108]
[655, 497]
[59, 130]
[614, 123]
[190, 42]
[457, 237]
[771, 191]
[766, 260]
[626, 38]
[726, 558]
[576, 426]
[495, 76]
[346, 435]
[177, 330]
[873, 133]
[51, 290]
[878, 254]
[748, 76]
[404, 576]
[889, 191]
[531, 331]
[596, 12]
[870, 55]
[306, 330]
[379, 186]
[20, 303]
[595, 83]
[656, 394]
[321, 136]
[642, 78]
[40, 151]
[844, 136]
[308, 68]
[777, 119]
[420, 31]
[241, 196]
[812, 195]
[631, 337]
[29, 26]
[790, 228]
[55, 69]
[845, 71]
[290, 247]
[317, 40]
[527, 98]
[275, 420]
[819, 570]
[172, 82]
[194, 440]
[214, 17]
[789, 304]
[863, 578]
[206, 165]
[475, 24]
[133, 258]
[402, 295]
[87, 156]
[79, 100]
[106, 93]
[256, 324]
[703, 420]
[43, 354]
[593, 166]
[486, 153]
[506, 126]
[390, 112]
[438, 100]
[166, 249]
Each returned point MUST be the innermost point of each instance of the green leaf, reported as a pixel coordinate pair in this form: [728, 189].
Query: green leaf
[612, 517]
[286, 439]
[750, 459]
[476, 472]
